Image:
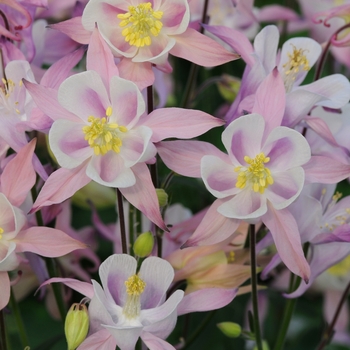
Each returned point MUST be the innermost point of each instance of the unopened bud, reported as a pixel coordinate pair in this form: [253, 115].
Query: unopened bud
[76, 325]
[162, 197]
[230, 329]
[143, 245]
[229, 87]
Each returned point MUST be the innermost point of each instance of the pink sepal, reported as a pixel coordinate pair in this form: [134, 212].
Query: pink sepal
[100, 59]
[19, 175]
[206, 300]
[199, 49]
[143, 196]
[214, 228]
[155, 343]
[83, 288]
[179, 122]
[325, 170]
[60, 185]
[47, 102]
[285, 233]
[5, 289]
[74, 29]
[270, 100]
[184, 157]
[46, 241]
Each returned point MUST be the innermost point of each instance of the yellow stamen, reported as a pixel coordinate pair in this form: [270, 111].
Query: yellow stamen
[103, 136]
[257, 175]
[140, 23]
[134, 288]
[1, 232]
[340, 269]
[297, 61]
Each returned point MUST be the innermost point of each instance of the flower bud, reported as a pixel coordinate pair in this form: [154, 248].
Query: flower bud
[230, 329]
[143, 245]
[162, 197]
[76, 325]
[229, 87]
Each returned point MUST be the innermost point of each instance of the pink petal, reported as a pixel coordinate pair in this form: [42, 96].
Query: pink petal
[285, 233]
[19, 175]
[219, 176]
[46, 241]
[109, 170]
[184, 157]
[243, 137]
[60, 185]
[206, 300]
[200, 49]
[84, 94]
[247, 204]
[325, 170]
[127, 102]
[68, 144]
[83, 288]
[143, 196]
[214, 228]
[178, 122]
[176, 16]
[321, 128]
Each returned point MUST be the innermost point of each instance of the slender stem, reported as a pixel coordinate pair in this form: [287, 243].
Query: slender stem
[3, 342]
[325, 52]
[192, 76]
[327, 336]
[122, 221]
[57, 291]
[254, 284]
[19, 321]
[51, 266]
[159, 242]
[132, 234]
[294, 283]
[198, 331]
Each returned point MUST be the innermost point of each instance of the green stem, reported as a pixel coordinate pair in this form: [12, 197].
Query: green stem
[122, 221]
[57, 291]
[51, 266]
[254, 283]
[3, 342]
[327, 336]
[294, 283]
[198, 331]
[20, 325]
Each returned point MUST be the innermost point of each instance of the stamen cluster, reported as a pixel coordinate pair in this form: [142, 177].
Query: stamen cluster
[256, 174]
[140, 22]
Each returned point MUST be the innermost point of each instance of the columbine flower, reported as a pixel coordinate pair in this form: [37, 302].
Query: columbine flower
[131, 304]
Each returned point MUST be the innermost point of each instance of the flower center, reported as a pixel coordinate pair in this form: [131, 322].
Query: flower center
[256, 174]
[297, 61]
[9, 95]
[340, 269]
[103, 136]
[134, 288]
[140, 23]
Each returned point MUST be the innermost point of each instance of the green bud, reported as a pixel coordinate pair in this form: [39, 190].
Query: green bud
[265, 346]
[229, 87]
[162, 197]
[143, 245]
[230, 329]
[76, 325]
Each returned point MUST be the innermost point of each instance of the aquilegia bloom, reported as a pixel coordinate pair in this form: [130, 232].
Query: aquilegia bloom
[258, 178]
